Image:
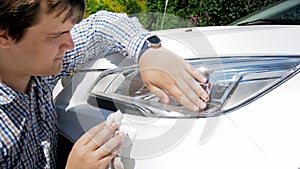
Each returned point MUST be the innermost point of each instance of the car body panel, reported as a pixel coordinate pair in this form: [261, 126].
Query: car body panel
[262, 134]
[232, 40]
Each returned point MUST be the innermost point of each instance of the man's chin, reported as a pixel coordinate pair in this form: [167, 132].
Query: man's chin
[52, 72]
[55, 72]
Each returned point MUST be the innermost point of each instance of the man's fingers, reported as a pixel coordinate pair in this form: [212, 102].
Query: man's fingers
[90, 134]
[163, 96]
[185, 90]
[102, 136]
[111, 147]
[197, 74]
[195, 87]
[191, 95]
[182, 99]
[193, 91]
[105, 160]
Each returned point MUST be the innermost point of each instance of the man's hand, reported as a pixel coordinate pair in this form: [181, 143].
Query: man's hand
[163, 72]
[96, 148]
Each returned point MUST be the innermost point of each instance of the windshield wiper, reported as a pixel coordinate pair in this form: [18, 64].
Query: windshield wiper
[270, 22]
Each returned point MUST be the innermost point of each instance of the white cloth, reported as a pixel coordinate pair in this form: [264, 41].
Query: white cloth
[115, 117]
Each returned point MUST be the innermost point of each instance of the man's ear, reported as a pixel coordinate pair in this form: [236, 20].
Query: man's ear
[5, 40]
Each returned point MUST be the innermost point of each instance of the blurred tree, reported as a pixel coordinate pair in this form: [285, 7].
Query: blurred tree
[124, 6]
[208, 12]
[180, 13]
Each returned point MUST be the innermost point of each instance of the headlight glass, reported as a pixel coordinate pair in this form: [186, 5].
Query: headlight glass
[236, 81]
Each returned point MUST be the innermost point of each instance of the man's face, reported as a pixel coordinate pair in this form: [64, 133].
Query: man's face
[41, 50]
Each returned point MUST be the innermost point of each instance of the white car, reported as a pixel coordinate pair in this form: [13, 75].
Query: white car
[252, 119]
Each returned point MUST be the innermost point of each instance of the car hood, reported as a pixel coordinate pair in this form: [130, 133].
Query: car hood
[219, 41]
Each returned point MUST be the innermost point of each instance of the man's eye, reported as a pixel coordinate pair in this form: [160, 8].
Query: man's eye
[58, 34]
[55, 36]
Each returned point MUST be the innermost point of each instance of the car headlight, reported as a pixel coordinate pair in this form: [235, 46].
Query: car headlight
[236, 81]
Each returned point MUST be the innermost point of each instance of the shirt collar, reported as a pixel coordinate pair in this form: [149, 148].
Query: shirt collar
[6, 94]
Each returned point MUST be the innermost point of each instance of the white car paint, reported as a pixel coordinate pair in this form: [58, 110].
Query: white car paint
[262, 135]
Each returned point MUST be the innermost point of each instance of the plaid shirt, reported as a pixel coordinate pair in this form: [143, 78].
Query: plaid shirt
[28, 121]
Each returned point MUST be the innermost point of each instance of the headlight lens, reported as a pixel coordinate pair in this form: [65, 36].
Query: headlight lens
[236, 81]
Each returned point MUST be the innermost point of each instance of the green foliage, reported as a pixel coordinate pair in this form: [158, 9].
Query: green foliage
[180, 13]
[208, 12]
[158, 21]
[124, 6]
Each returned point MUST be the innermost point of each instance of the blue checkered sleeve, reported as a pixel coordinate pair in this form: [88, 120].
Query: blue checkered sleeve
[101, 33]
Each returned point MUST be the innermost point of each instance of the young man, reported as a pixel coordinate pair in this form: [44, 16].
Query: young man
[43, 40]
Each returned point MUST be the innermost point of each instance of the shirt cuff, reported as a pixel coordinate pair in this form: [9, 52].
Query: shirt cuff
[141, 46]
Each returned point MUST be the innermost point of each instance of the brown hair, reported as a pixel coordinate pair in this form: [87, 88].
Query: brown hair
[18, 15]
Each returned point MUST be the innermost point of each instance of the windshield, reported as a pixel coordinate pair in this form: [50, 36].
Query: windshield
[284, 12]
